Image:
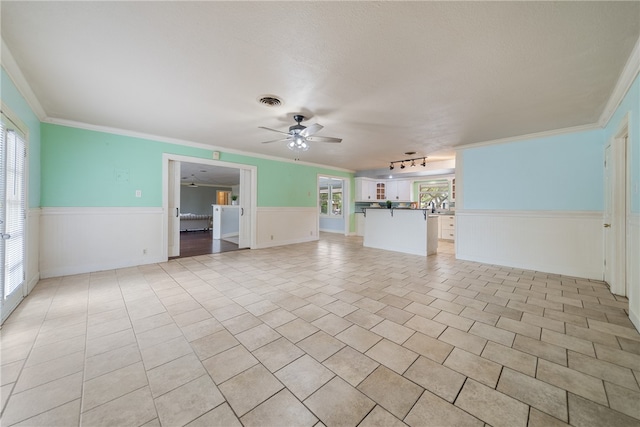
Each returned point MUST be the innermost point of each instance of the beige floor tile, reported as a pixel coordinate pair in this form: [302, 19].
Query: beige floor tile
[394, 314]
[190, 317]
[310, 312]
[188, 402]
[476, 367]
[53, 351]
[338, 403]
[277, 317]
[297, 330]
[541, 349]
[618, 357]
[541, 395]
[229, 363]
[151, 322]
[227, 312]
[277, 354]
[392, 355]
[429, 347]
[426, 326]
[165, 352]
[603, 370]
[623, 400]
[304, 376]
[35, 375]
[358, 338]
[364, 318]
[38, 400]
[492, 333]
[436, 378]
[463, 340]
[62, 416]
[492, 407]
[222, 416]
[430, 410]
[257, 336]
[453, 320]
[380, 417]
[331, 324]
[393, 331]
[520, 328]
[540, 419]
[369, 304]
[629, 345]
[480, 316]
[283, 409]
[568, 342]
[514, 359]
[320, 345]
[110, 386]
[9, 372]
[584, 412]
[351, 365]
[173, 374]
[213, 344]
[502, 311]
[107, 328]
[422, 309]
[133, 409]
[259, 380]
[390, 390]
[576, 382]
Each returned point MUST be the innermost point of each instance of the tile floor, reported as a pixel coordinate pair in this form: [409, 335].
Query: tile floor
[318, 333]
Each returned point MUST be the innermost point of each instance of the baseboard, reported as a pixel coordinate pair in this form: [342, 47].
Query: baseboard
[286, 242]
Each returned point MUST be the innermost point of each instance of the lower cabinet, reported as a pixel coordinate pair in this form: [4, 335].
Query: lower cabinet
[447, 227]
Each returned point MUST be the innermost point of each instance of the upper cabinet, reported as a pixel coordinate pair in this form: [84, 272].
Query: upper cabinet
[369, 190]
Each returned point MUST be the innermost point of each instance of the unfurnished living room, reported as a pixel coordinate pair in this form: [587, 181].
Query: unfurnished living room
[431, 212]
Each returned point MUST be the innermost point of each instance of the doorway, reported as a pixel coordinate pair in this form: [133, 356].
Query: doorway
[207, 182]
[13, 155]
[616, 211]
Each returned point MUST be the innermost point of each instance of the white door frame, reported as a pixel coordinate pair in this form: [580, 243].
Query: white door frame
[251, 204]
[619, 214]
[346, 201]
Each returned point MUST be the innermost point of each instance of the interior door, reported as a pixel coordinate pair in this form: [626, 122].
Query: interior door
[244, 238]
[174, 209]
[13, 153]
[609, 248]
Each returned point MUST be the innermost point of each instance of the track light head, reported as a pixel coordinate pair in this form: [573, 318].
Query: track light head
[424, 162]
[391, 166]
[402, 165]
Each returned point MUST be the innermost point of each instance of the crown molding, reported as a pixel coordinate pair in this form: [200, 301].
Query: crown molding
[628, 75]
[13, 70]
[545, 134]
[176, 141]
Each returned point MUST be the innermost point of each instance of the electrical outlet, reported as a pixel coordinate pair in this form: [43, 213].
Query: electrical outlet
[272, 237]
[144, 251]
[138, 193]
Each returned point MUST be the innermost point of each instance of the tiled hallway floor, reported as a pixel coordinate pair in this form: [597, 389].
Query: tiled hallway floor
[326, 332]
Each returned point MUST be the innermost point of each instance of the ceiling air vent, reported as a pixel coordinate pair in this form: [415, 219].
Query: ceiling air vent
[270, 101]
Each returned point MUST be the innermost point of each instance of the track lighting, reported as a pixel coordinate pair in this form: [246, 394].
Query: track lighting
[412, 164]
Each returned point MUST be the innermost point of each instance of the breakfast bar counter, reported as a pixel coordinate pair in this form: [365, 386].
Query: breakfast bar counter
[412, 231]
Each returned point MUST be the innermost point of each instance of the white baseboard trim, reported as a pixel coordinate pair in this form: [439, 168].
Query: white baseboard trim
[265, 245]
[559, 242]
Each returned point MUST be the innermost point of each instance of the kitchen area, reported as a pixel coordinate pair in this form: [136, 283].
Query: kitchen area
[406, 214]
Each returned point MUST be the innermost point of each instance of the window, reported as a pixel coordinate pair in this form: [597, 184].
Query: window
[436, 191]
[330, 196]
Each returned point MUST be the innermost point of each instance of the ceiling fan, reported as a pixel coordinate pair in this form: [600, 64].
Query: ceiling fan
[299, 136]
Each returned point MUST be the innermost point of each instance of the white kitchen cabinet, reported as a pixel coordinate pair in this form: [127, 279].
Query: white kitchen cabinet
[399, 190]
[369, 190]
[447, 227]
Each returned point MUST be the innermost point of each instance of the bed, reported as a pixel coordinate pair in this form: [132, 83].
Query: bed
[192, 222]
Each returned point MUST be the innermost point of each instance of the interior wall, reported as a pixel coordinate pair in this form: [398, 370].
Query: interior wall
[198, 200]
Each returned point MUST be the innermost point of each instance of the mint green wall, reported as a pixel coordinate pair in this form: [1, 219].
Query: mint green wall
[12, 98]
[89, 168]
[557, 173]
[630, 104]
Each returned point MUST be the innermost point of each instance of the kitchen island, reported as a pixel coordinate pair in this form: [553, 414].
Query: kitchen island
[411, 231]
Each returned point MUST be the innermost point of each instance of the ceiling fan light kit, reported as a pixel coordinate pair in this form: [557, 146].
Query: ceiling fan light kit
[299, 136]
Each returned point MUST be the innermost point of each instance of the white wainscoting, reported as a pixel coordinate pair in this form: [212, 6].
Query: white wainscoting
[633, 268]
[81, 240]
[285, 226]
[33, 248]
[569, 243]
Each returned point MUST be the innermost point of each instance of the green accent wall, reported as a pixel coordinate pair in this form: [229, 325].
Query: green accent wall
[98, 169]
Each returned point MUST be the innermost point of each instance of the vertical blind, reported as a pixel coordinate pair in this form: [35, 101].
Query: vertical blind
[12, 211]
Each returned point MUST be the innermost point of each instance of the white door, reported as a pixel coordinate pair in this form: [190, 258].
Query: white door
[244, 238]
[13, 152]
[609, 251]
[174, 209]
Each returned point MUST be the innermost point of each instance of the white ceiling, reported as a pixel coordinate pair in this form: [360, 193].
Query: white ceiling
[387, 77]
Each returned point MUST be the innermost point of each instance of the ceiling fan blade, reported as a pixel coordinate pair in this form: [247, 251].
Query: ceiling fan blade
[273, 130]
[311, 129]
[276, 140]
[323, 139]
